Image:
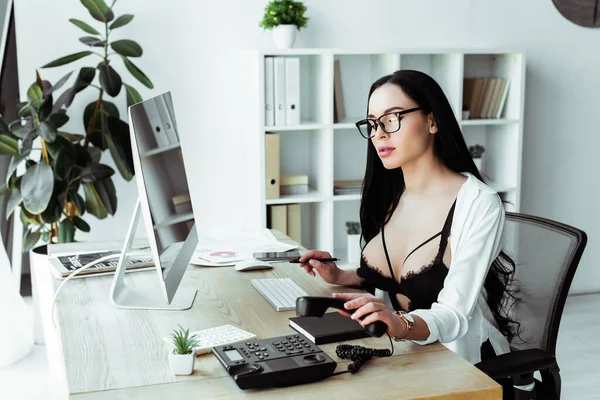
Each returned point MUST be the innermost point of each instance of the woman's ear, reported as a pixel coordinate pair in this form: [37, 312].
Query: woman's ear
[432, 124]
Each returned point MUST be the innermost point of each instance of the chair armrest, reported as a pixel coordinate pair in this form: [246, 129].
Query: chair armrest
[517, 363]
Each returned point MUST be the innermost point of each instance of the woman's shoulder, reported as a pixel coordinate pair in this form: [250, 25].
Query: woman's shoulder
[481, 195]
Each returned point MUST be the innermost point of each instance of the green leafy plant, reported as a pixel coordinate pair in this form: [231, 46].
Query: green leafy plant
[284, 12]
[182, 342]
[62, 178]
[353, 228]
[476, 150]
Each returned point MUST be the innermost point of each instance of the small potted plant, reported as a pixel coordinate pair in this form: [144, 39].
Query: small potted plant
[353, 230]
[182, 355]
[284, 17]
[477, 151]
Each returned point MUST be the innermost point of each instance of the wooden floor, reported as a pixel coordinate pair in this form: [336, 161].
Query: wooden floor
[578, 352]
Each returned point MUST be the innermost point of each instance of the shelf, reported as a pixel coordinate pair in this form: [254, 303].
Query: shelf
[478, 122]
[347, 123]
[312, 196]
[346, 197]
[174, 219]
[160, 150]
[304, 126]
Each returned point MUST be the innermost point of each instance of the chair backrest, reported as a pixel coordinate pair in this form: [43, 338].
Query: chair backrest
[546, 254]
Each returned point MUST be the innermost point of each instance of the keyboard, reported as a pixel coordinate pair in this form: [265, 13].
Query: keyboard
[218, 336]
[280, 292]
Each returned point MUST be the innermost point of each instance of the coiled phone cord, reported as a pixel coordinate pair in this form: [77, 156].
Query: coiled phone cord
[359, 355]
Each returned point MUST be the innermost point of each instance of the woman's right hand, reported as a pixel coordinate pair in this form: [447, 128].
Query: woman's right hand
[329, 271]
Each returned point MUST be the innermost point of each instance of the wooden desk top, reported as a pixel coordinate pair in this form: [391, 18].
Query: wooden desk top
[110, 353]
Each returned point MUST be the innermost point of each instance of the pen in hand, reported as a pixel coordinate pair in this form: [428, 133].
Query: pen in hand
[297, 260]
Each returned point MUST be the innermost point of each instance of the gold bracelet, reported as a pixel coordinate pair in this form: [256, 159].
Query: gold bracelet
[409, 324]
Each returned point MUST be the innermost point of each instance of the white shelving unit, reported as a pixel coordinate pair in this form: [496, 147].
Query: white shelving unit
[328, 151]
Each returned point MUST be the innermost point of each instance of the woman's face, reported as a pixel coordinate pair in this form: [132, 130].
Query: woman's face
[415, 136]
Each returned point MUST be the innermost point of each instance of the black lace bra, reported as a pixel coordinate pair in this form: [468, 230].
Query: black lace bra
[421, 287]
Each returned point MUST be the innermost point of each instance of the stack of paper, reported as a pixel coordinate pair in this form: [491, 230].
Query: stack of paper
[225, 247]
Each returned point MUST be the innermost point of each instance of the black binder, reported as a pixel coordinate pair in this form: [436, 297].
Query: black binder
[332, 327]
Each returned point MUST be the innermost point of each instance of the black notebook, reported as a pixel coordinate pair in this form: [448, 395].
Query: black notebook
[332, 327]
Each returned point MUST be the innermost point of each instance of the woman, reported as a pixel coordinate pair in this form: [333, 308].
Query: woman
[431, 226]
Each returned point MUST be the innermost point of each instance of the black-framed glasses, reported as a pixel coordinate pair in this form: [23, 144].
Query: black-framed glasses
[389, 122]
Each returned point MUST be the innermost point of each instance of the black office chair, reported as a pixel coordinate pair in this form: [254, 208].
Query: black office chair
[546, 254]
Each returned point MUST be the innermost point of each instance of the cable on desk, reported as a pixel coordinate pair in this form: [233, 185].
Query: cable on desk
[359, 355]
[86, 266]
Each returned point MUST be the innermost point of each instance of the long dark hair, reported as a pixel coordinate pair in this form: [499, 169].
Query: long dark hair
[382, 188]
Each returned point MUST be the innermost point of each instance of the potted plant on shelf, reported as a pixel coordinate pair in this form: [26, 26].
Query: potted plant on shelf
[55, 176]
[353, 231]
[182, 355]
[284, 17]
[477, 151]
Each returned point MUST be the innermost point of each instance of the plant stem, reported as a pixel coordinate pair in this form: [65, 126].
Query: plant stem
[45, 152]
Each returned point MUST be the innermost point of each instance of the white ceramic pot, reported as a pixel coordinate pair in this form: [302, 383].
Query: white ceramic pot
[284, 36]
[354, 249]
[182, 364]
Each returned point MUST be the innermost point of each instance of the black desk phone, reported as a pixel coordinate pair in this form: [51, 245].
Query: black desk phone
[277, 361]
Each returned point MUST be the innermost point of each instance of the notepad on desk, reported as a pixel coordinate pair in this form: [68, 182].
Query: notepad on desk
[332, 327]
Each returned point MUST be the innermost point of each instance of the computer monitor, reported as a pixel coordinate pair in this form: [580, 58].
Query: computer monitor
[165, 206]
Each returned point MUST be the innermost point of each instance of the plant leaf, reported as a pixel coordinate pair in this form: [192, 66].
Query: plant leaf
[3, 190]
[137, 73]
[28, 218]
[66, 98]
[57, 146]
[16, 161]
[58, 119]
[84, 78]
[98, 9]
[128, 48]
[96, 172]
[30, 239]
[133, 97]
[34, 92]
[47, 131]
[95, 153]
[121, 21]
[85, 27]
[53, 212]
[36, 187]
[66, 231]
[106, 191]
[8, 145]
[58, 85]
[13, 201]
[79, 203]
[91, 41]
[93, 204]
[110, 80]
[67, 59]
[119, 143]
[63, 162]
[81, 224]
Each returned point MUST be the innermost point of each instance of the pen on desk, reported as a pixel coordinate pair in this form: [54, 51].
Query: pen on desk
[297, 261]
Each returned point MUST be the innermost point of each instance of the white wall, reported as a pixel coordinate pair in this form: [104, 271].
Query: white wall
[191, 48]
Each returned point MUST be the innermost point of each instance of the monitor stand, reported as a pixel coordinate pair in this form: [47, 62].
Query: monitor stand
[124, 296]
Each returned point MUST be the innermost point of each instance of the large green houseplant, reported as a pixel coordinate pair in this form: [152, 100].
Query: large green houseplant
[55, 176]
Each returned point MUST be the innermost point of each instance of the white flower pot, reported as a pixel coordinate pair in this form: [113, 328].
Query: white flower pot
[182, 364]
[354, 249]
[284, 36]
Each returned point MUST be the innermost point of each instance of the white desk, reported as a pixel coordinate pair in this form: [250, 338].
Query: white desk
[100, 352]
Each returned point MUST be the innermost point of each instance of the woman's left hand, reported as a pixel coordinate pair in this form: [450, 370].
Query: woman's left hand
[372, 309]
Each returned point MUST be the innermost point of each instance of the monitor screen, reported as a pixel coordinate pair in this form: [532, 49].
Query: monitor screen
[164, 194]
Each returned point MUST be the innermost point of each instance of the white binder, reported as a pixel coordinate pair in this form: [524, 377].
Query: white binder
[279, 86]
[269, 92]
[292, 91]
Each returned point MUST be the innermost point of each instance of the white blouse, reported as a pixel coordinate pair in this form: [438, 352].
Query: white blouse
[461, 318]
